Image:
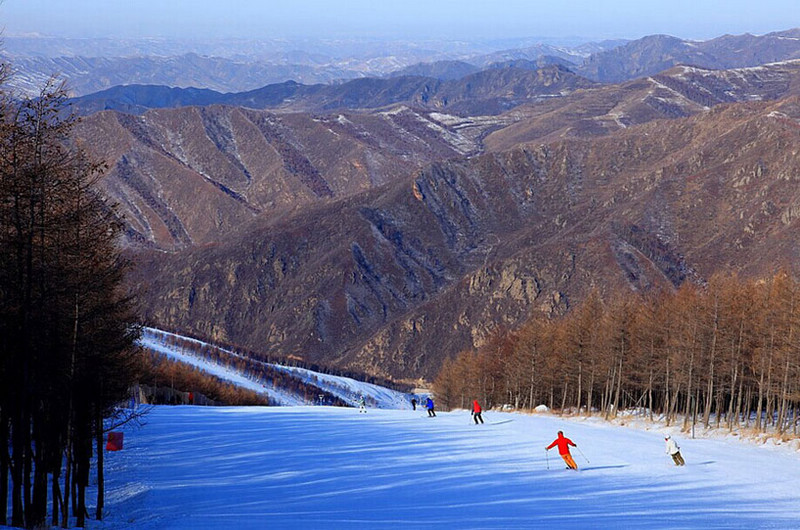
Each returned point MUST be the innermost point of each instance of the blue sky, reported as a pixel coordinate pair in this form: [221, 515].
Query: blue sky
[397, 19]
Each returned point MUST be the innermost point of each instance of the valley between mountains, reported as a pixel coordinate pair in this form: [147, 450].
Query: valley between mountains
[384, 225]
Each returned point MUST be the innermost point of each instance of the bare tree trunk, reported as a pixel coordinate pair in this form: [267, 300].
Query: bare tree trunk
[739, 401]
[784, 398]
[689, 389]
[712, 354]
[609, 391]
[4, 466]
[748, 407]
[709, 394]
[666, 393]
[619, 386]
[580, 388]
[734, 377]
[101, 493]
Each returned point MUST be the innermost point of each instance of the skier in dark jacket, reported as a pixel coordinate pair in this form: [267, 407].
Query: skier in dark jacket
[429, 406]
[563, 444]
[413, 403]
[476, 412]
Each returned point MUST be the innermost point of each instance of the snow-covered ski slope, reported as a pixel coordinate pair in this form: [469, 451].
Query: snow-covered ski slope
[332, 468]
[345, 388]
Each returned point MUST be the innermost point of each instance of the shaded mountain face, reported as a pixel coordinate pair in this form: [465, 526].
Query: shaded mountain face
[487, 92]
[397, 278]
[655, 53]
[188, 176]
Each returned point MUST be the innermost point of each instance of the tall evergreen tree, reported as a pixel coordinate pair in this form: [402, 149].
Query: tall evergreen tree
[67, 325]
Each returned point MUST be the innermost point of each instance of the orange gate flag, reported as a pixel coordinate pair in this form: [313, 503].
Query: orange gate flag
[114, 441]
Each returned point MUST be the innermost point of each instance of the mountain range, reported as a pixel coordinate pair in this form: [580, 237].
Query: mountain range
[394, 279]
[386, 224]
[489, 91]
[235, 66]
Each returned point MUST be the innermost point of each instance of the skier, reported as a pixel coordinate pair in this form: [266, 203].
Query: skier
[362, 405]
[413, 403]
[674, 451]
[429, 406]
[563, 444]
[476, 412]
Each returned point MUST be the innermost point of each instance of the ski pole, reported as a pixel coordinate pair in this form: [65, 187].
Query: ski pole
[547, 458]
[583, 455]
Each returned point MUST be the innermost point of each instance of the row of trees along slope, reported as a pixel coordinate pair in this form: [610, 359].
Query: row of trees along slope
[66, 331]
[723, 353]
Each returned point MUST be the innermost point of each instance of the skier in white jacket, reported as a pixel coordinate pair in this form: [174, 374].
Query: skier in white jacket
[674, 451]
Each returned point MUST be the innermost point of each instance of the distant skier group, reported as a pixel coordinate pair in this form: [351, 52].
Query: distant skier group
[562, 442]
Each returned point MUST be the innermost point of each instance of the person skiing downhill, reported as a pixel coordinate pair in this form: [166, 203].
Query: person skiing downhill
[674, 451]
[476, 412]
[563, 444]
[362, 405]
[429, 406]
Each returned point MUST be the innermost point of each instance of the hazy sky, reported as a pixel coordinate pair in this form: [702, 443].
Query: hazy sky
[397, 19]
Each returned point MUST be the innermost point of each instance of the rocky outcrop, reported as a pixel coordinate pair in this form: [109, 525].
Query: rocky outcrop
[398, 278]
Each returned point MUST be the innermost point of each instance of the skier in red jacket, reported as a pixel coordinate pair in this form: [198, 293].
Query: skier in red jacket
[476, 411]
[563, 444]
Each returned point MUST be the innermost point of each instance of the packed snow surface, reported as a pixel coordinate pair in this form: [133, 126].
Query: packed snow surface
[329, 468]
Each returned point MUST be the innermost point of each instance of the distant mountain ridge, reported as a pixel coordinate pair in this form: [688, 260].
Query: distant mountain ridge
[485, 92]
[86, 75]
[653, 54]
[269, 63]
[190, 175]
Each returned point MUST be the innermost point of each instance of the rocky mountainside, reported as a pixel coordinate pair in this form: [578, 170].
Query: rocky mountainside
[394, 279]
[655, 53]
[678, 92]
[188, 176]
[245, 163]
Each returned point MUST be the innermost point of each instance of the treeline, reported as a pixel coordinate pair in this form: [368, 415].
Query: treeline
[724, 354]
[252, 368]
[65, 322]
[168, 379]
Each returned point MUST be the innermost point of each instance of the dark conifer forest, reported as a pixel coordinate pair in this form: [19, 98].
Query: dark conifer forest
[67, 326]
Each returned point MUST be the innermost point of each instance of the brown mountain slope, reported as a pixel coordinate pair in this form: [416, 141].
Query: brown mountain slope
[188, 176]
[397, 278]
[678, 92]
